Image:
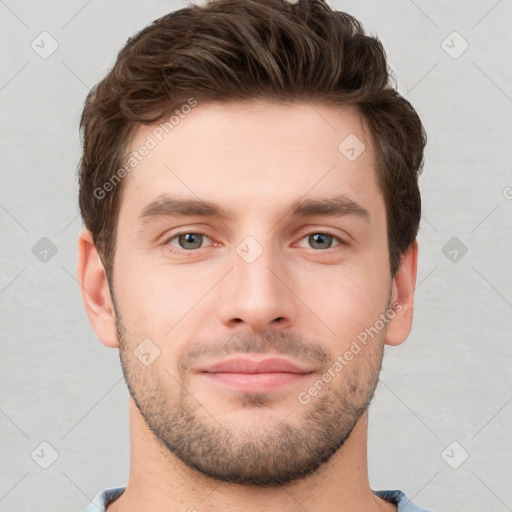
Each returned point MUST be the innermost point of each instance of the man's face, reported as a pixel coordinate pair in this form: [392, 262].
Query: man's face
[216, 298]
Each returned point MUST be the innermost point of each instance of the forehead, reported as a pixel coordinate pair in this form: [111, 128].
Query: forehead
[251, 156]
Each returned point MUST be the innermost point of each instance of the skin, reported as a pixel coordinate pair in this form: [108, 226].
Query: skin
[198, 306]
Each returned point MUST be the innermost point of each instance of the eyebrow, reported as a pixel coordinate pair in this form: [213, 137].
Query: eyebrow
[166, 205]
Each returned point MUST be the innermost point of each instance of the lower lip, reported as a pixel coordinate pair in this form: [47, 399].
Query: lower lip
[256, 382]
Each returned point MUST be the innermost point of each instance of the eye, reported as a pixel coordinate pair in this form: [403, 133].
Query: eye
[187, 241]
[322, 240]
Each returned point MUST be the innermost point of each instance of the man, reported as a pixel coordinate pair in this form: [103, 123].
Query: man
[249, 188]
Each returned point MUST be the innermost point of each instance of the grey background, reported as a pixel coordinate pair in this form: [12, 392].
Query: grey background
[450, 382]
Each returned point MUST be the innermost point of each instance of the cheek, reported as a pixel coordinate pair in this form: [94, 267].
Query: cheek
[159, 302]
[348, 300]
[145, 312]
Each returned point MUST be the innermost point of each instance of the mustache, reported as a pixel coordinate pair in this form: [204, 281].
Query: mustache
[271, 342]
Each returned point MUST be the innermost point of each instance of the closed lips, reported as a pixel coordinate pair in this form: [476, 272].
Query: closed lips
[273, 365]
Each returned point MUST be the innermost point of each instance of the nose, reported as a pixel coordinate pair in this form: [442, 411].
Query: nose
[257, 294]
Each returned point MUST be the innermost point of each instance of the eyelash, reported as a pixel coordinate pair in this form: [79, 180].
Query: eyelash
[322, 232]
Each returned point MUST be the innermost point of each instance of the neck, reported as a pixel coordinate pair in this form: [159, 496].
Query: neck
[160, 482]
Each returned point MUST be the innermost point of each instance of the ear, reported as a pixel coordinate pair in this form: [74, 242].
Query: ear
[95, 290]
[402, 295]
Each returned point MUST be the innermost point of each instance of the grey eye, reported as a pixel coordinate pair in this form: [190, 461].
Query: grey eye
[320, 240]
[190, 240]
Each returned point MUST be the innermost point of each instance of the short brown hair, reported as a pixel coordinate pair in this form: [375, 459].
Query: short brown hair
[240, 50]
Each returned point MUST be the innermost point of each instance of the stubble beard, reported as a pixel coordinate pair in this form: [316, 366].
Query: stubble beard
[253, 454]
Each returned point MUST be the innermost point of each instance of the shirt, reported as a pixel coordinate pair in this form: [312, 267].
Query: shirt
[100, 502]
